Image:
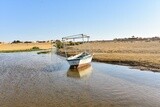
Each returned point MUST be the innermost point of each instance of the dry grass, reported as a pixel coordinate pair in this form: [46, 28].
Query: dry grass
[137, 53]
[123, 47]
[23, 46]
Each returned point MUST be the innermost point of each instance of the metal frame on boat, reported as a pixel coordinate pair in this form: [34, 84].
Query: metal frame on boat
[81, 59]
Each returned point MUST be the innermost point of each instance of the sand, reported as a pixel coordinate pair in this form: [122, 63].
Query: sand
[23, 46]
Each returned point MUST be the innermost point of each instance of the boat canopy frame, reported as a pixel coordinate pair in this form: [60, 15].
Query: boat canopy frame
[74, 37]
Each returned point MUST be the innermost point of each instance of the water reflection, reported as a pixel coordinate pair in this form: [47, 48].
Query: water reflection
[80, 72]
[31, 80]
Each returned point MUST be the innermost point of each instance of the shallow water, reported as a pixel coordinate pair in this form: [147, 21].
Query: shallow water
[31, 80]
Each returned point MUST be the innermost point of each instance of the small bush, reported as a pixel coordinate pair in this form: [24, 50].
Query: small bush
[77, 43]
[35, 48]
[59, 44]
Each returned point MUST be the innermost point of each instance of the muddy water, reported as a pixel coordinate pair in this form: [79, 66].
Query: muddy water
[31, 80]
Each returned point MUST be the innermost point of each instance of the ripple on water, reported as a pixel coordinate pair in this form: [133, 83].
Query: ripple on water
[28, 79]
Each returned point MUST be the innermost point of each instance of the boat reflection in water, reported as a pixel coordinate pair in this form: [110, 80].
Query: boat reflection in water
[80, 72]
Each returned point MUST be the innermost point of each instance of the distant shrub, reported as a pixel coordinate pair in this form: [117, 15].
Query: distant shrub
[17, 41]
[35, 48]
[74, 43]
[40, 41]
[59, 44]
[71, 43]
[77, 43]
[27, 42]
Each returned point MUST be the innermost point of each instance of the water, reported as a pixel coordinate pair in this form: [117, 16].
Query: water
[31, 80]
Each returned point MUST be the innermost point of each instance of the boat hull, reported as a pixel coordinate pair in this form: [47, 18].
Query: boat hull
[77, 63]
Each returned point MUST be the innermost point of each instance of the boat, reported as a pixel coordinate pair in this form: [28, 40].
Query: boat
[81, 59]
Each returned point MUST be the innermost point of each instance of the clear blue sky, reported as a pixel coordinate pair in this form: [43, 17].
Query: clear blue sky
[101, 19]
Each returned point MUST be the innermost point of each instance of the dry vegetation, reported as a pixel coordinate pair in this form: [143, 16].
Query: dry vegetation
[23, 46]
[144, 54]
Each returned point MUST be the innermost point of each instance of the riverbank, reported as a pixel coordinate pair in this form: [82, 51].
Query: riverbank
[139, 61]
[138, 54]
[24, 47]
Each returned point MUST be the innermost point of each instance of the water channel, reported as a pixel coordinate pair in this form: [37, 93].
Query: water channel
[31, 80]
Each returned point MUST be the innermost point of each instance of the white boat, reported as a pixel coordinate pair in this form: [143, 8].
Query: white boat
[81, 59]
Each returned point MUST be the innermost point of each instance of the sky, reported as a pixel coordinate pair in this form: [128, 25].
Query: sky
[101, 19]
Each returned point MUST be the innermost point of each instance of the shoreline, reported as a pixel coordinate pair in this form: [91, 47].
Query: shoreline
[138, 54]
[24, 47]
[26, 50]
[133, 64]
[119, 53]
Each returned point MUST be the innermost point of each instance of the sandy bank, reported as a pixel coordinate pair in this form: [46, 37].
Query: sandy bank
[19, 47]
[140, 54]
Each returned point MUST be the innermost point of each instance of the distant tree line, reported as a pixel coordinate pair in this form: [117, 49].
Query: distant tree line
[48, 41]
[133, 38]
[18, 41]
[28, 42]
